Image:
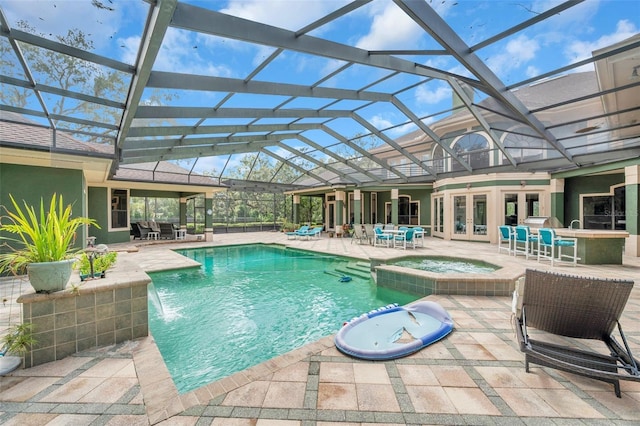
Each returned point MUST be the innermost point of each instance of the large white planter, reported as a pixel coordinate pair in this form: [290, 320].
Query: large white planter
[48, 277]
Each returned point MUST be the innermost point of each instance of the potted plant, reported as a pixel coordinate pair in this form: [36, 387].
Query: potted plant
[43, 243]
[101, 262]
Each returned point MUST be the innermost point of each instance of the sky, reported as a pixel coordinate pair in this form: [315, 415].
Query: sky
[115, 26]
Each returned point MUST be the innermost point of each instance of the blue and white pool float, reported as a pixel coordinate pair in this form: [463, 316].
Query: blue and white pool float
[394, 331]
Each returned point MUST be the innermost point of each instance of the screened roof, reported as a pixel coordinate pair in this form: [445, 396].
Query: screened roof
[298, 94]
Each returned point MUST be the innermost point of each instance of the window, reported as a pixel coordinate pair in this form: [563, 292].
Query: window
[523, 147]
[408, 211]
[605, 211]
[472, 148]
[438, 160]
[119, 208]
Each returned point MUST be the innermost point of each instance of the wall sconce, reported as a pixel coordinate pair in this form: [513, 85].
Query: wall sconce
[523, 183]
[209, 212]
[468, 186]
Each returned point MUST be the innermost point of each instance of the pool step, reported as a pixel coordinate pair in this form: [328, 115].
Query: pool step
[360, 270]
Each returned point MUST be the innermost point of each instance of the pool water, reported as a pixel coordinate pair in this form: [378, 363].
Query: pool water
[443, 265]
[248, 304]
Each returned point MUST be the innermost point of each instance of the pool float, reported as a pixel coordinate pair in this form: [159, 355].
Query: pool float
[394, 331]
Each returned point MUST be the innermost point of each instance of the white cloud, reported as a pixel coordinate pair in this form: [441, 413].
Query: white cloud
[380, 122]
[426, 96]
[178, 54]
[579, 50]
[516, 53]
[292, 15]
[532, 71]
[391, 28]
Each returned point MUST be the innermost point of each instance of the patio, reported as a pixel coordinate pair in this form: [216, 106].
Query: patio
[474, 376]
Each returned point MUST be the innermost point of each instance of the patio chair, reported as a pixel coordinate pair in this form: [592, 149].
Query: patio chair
[140, 231]
[418, 236]
[505, 235]
[576, 308]
[166, 230]
[523, 241]
[359, 235]
[549, 244]
[404, 239]
[382, 238]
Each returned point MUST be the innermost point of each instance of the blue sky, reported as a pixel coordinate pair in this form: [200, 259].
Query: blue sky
[380, 25]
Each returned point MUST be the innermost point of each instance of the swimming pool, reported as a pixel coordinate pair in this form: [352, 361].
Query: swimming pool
[250, 303]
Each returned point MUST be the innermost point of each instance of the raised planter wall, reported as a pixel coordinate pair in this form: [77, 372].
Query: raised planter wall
[102, 312]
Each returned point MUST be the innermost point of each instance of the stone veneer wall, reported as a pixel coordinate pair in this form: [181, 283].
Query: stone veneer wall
[101, 312]
[424, 284]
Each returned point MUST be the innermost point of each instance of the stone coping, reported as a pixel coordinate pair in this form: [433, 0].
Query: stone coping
[124, 274]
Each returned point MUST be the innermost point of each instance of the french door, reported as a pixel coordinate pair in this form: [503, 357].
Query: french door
[469, 218]
[518, 206]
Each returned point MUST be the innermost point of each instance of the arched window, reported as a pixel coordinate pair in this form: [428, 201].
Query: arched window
[522, 147]
[472, 148]
[438, 159]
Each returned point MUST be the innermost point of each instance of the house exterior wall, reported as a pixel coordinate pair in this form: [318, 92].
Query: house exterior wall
[33, 183]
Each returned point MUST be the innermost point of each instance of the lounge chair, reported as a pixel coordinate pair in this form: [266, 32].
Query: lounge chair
[295, 234]
[576, 308]
[316, 231]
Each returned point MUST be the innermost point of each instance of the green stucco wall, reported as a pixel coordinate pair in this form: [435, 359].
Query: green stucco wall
[573, 187]
[631, 205]
[31, 184]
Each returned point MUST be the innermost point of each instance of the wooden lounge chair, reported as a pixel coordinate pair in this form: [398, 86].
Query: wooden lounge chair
[577, 308]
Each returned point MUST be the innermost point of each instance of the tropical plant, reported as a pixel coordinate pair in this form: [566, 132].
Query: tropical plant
[19, 339]
[43, 236]
[101, 262]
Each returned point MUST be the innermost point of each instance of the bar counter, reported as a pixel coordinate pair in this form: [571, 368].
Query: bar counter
[597, 246]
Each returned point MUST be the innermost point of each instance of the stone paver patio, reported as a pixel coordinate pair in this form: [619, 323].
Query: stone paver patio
[474, 376]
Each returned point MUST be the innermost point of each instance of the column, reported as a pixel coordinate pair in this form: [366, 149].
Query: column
[556, 210]
[632, 180]
[394, 206]
[339, 211]
[296, 209]
[357, 207]
[208, 217]
[183, 213]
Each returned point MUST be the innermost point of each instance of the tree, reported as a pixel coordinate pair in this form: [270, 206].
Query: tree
[58, 70]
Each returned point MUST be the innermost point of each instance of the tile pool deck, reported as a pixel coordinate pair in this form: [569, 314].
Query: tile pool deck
[474, 376]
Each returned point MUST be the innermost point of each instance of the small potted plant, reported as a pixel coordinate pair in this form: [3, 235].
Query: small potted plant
[43, 243]
[101, 262]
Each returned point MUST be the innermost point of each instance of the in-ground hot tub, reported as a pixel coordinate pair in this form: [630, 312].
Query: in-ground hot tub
[448, 275]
